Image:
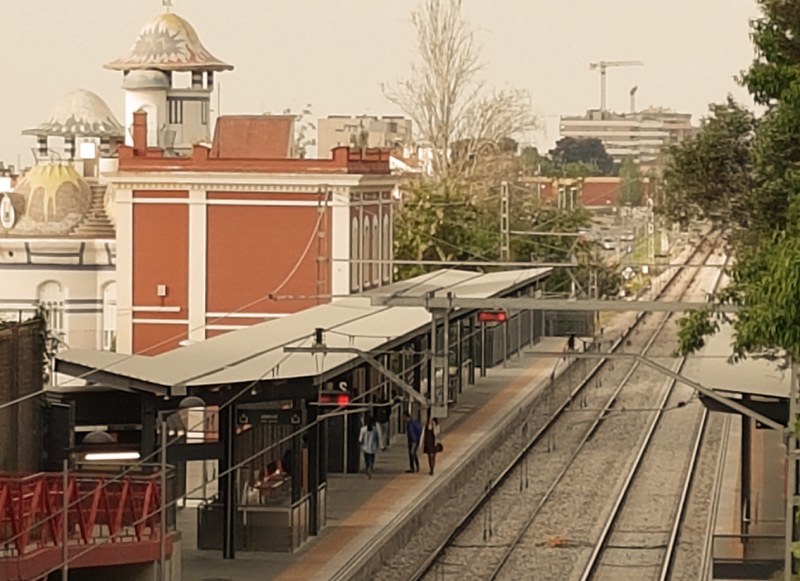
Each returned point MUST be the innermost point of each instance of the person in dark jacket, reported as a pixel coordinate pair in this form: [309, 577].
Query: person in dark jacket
[413, 434]
[383, 411]
[430, 442]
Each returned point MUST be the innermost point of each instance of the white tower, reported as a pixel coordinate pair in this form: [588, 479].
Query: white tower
[169, 74]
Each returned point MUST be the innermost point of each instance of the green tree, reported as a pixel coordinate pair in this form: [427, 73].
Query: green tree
[765, 280]
[632, 185]
[587, 151]
[440, 220]
[708, 176]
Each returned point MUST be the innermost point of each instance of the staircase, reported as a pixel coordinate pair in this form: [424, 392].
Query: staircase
[95, 223]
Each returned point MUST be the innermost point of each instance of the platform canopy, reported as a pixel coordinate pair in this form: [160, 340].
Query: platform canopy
[256, 354]
[754, 377]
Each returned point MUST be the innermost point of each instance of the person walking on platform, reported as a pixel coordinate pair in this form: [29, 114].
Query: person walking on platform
[369, 440]
[382, 415]
[413, 434]
[430, 442]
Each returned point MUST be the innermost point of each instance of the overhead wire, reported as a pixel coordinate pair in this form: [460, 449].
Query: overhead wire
[73, 380]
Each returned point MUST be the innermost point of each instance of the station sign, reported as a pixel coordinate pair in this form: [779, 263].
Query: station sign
[288, 417]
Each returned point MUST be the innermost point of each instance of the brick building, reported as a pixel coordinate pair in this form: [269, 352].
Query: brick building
[593, 193]
[21, 367]
[235, 234]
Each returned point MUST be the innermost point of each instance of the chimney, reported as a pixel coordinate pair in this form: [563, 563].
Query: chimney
[140, 132]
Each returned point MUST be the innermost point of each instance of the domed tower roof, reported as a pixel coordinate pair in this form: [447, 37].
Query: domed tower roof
[52, 199]
[80, 113]
[169, 43]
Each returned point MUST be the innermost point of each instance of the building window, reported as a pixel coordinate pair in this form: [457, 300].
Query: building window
[355, 254]
[175, 111]
[376, 251]
[204, 112]
[387, 248]
[108, 340]
[51, 299]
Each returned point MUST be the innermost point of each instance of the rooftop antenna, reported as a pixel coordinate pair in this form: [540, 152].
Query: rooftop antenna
[167, 5]
[633, 99]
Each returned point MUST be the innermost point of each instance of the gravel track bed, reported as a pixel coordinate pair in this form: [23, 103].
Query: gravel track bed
[688, 557]
[563, 534]
[536, 471]
[400, 566]
[637, 545]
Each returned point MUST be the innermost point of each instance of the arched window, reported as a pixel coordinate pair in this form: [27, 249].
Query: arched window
[355, 255]
[51, 298]
[366, 252]
[108, 339]
[376, 251]
[387, 248]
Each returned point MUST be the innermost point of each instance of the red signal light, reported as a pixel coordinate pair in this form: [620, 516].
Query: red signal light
[492, 317]
[339, 399]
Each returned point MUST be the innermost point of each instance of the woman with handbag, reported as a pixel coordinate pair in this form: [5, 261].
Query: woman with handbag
[430, 442]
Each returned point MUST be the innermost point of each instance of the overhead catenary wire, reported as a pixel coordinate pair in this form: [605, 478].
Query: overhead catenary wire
[268, 296]
[230, 470]
[142, 463]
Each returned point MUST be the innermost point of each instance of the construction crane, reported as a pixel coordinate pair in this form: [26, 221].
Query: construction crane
[602, 66]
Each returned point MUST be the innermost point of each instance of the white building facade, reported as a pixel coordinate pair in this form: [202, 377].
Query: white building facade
[57, 236]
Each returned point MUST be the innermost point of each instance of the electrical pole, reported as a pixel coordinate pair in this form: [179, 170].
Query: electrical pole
[505, 222]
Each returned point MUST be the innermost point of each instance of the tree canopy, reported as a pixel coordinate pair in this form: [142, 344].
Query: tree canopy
[631, 191]
[588, 152]
[745, 174]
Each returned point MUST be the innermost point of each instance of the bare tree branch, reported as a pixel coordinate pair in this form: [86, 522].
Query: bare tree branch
[445, 98]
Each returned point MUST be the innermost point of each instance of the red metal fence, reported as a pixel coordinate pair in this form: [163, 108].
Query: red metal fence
[103, 510]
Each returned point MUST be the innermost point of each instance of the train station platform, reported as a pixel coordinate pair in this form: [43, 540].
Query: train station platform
[363, 513]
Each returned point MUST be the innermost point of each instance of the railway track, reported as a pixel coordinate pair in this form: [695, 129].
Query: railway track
[486, 540]
[641, 533]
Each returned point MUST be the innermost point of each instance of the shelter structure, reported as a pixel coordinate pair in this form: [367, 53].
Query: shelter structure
[284, 399]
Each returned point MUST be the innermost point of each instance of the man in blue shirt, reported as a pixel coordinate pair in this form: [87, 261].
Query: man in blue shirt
[413, 433]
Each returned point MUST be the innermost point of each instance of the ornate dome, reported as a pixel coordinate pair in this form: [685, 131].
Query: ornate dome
[169, 43]
[80, 113]
[145, 80]
[55, 200]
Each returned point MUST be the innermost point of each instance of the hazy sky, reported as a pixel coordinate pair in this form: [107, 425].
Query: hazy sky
[334, 54]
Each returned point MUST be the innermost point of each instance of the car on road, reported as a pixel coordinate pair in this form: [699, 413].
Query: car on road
[608, 244]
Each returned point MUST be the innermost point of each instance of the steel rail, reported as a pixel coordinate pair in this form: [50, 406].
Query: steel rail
[595, 560]
[472, 512]
[683, 501]
[708, 545]
[596, 423]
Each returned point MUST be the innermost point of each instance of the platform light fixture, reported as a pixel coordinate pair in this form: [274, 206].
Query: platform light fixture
[111, 456]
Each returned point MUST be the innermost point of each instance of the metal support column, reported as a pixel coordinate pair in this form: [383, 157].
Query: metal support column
[313, 468]
[483, 349]
[471, 347]
[162, 536]
[65, 521]
[459, 359]
[296, 447]
[746, 460]
[227, 483]
[791, 472]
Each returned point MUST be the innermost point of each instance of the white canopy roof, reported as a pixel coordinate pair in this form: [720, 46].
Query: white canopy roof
[256, 353]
